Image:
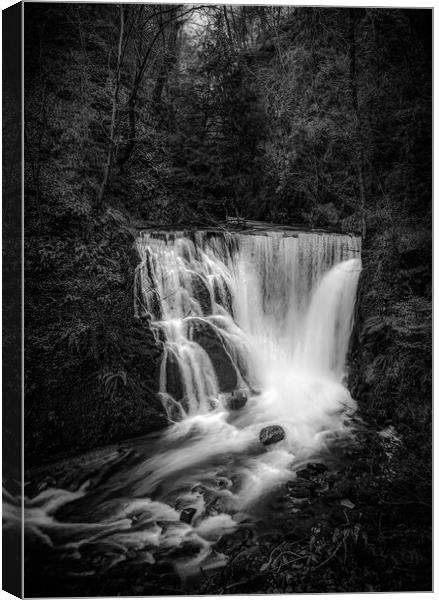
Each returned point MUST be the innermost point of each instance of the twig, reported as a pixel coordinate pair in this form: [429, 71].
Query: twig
[289, 562]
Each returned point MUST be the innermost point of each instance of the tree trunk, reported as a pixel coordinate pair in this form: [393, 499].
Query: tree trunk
[358, 142]
[168, 61]
[138, 77]
[110, 152]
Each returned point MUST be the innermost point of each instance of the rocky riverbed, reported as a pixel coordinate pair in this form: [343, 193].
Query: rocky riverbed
[333, 527]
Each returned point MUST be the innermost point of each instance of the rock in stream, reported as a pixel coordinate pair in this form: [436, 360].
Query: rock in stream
[271, 434]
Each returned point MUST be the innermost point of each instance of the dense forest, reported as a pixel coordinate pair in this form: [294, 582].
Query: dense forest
[162, 115]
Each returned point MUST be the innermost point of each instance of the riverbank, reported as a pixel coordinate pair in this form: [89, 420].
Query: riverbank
[355, 527]
[350, 524]
[90, 365]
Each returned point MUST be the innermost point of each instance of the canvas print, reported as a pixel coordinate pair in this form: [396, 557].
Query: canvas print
[227, 300]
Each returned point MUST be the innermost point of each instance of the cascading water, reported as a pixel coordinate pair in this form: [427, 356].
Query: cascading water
[266, 316]
[262, 303]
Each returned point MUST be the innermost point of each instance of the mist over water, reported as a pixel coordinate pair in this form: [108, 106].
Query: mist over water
[263, 318]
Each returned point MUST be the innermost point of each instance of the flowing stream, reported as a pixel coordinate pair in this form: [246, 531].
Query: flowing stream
[255, 330]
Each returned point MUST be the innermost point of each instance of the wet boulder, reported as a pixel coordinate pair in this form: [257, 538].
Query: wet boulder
[211, 342]
[271, 434]
[317, 468]
[300, 488]
[187, 515]
[312, 470]
[201, 293]
[216, 507]
[187, 549]
[236, 400]
[174, 380]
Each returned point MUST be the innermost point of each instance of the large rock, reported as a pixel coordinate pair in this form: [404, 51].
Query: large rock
[271, 434]
[237, 400]
[209, 340]
[174, 382]
[201, 293]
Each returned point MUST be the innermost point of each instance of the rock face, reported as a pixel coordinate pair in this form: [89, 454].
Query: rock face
[206, 337]
[271, 434]
[236, 400]
[134, 256]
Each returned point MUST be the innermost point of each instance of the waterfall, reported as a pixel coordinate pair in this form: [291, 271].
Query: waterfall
[324, 343]
[232, 307]
[266, 318]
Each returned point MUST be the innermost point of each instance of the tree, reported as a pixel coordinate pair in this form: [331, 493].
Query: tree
[114, 107]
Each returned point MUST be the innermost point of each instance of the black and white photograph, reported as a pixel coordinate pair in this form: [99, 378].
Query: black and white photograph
[227, 300]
